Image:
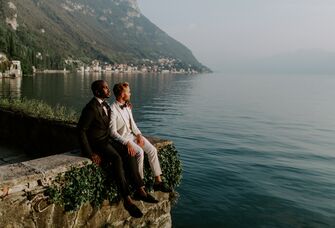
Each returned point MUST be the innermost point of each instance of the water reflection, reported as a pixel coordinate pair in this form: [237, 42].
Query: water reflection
[74, 89]
[10, 87]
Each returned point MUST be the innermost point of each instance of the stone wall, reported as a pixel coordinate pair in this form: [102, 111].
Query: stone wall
[37, 135]
[23, 203]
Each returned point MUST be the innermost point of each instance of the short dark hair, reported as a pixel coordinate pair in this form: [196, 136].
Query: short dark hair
[119, 87]
[96, 87]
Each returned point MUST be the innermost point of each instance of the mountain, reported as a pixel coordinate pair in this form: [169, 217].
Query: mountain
[46, 32]
[312, 61]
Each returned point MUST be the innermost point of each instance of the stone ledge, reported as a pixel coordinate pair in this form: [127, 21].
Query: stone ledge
[27, 175]
[24, 176]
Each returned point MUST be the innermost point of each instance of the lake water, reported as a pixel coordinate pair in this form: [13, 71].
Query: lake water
[257, 150]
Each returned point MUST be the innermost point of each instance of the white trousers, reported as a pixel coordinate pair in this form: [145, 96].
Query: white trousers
[151, 152]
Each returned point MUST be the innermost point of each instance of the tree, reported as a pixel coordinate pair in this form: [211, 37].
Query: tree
[11, 45]
[3, 42]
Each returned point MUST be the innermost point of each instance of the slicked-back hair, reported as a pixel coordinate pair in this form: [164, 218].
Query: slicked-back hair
[96, 87]
[119, 88]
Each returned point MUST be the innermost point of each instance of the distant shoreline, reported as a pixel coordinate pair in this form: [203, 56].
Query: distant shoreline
[108, 72]
[51, 71]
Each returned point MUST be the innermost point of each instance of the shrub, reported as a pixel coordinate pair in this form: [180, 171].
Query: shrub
[39, 109]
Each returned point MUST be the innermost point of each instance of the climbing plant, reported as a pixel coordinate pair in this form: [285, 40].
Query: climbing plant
[90, 183]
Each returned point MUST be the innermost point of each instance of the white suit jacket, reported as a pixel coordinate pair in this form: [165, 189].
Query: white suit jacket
[120, 129]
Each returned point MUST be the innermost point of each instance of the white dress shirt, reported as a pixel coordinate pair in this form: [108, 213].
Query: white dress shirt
[100, 102]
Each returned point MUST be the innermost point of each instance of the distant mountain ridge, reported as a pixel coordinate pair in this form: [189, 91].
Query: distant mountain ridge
[303, 61]
[109, 30]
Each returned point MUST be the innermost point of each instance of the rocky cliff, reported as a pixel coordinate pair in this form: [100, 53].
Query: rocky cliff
[109, 30]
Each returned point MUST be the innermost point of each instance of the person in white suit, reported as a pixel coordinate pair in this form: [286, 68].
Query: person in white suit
[125, 131]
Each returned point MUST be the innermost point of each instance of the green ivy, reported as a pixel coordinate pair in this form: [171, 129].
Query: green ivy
[170, 164]
[81, 185]
[91, 184]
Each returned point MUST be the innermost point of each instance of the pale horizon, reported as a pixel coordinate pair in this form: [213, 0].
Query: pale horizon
[222, 32]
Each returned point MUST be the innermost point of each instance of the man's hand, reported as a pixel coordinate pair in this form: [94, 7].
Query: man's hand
[96, 159]
[131, 149]
[140, 140]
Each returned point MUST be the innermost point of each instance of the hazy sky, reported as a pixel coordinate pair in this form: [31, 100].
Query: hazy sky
[228, 30]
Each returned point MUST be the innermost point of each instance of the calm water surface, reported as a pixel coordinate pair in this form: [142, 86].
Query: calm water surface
[257, 150]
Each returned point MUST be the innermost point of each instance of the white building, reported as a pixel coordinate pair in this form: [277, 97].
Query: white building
[15, 69]
[96, 66]
[108, 68]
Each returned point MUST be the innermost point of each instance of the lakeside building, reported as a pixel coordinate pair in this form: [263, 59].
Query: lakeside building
[96, 66]
[15, 69]
[108, 68]
[9, 68]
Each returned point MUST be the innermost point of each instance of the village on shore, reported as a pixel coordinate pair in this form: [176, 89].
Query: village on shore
[163, 65]
[12, 69]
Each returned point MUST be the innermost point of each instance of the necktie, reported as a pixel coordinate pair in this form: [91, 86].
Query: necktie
[104, 103]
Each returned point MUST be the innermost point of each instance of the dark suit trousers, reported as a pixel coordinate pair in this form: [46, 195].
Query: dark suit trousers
[122, 166]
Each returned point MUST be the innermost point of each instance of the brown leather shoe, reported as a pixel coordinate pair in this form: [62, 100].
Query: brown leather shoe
[148, 198]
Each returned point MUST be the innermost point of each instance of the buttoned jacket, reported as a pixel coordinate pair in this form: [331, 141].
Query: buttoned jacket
[119, 127]
[93, 127]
